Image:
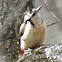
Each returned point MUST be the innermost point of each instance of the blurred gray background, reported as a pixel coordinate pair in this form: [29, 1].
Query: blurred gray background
[54, 32]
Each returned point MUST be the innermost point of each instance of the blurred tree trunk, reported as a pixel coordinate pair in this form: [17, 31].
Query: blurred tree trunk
[11, 13]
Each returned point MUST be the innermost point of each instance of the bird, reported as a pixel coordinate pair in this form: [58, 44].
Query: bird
[32, 30]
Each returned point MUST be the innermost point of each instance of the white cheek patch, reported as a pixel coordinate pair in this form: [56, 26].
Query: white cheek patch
[26, 18]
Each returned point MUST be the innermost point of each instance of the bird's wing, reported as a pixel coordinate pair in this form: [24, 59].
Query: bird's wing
[22, 28]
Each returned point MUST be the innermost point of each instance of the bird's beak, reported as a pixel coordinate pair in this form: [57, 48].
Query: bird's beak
[37, 9]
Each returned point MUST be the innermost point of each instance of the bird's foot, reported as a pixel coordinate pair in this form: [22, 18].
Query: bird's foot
[25, 51]
[28, 51]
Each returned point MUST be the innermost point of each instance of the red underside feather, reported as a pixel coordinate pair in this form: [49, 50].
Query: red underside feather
[21, 51]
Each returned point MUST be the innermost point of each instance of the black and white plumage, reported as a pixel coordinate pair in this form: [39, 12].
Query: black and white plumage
[33, 30]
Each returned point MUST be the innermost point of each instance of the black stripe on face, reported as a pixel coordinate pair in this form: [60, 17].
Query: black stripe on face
[31, 22]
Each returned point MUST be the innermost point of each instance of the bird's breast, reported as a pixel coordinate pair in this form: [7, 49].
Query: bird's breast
[34, 35]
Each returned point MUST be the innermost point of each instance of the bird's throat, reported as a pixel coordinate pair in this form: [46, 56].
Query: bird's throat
[31, 21]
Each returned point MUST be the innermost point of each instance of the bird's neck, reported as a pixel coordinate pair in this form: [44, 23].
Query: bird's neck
[36, 17]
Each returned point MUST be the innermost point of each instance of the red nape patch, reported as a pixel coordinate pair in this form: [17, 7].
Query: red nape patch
[21, 51]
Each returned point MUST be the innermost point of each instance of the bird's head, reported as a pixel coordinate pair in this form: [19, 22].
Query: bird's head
[31, 13]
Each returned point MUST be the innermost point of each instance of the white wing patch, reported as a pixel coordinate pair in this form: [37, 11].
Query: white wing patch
[22, 27]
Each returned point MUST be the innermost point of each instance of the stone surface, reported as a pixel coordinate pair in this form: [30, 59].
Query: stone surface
[43, 54]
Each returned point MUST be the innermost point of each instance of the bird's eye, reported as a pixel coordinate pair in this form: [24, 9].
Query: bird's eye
[30, 12]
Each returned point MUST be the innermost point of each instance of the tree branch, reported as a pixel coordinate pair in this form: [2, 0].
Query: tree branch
[58, 20]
